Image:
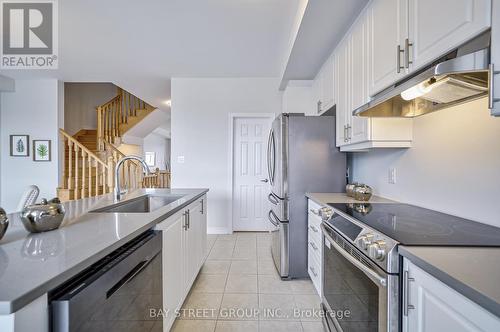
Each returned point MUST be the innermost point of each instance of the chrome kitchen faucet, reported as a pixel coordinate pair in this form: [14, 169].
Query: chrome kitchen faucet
[118, 192]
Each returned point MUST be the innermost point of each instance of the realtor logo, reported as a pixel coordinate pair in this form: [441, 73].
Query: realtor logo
[29, 34]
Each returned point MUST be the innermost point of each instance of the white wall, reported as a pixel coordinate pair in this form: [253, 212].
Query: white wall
[453, 166]
[200, 133]
[161, 146]
[80, 102]
[32, 110]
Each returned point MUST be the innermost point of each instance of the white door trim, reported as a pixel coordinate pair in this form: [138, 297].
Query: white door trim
[232, 118]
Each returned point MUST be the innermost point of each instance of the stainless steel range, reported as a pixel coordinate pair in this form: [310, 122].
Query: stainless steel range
[364, 288]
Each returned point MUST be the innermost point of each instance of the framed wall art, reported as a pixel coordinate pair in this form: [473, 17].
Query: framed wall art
[19, 145]
[42, 150]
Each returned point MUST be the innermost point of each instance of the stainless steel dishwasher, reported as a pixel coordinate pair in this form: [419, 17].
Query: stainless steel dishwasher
[121, 292]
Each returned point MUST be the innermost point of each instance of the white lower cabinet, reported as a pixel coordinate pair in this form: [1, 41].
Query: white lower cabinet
[315, 246]
[183, 251]
[432, 306]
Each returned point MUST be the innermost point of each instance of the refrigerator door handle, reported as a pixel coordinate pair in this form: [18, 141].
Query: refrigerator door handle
[272, 216]
[269, 156]
[271, 160]
[272, 199]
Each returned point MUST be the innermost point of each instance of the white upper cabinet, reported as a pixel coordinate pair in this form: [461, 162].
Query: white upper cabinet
[323, 87]
[342, 93]
[316, 95]
[409, 34]
[388, 30]
[327, 95]
[359, 73]
[436, 27]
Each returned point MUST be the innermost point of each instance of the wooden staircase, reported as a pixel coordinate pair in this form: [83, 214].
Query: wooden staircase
[90, 155]
[118, 116]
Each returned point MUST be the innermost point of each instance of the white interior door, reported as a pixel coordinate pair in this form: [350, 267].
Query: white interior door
[250, 179]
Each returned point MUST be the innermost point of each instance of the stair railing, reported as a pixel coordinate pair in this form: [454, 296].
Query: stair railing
[85, 173]
[114, 113]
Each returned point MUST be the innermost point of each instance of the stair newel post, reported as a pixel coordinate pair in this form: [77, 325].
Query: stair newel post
[111, 179]
[76, 193]
[84, 173]
[70, 164]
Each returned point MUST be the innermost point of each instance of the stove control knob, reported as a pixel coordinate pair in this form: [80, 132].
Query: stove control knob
[326, 213]
[364, 241]
[376, 250]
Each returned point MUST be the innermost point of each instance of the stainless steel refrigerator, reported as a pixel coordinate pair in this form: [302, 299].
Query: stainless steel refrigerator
[301, 157]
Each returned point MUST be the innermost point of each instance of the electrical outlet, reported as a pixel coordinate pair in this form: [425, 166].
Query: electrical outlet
[180, 159]
[392, 175]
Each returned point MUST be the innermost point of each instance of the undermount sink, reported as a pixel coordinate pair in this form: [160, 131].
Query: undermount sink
[142, 204]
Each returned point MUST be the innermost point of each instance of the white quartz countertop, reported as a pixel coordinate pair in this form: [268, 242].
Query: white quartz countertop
[33, 264]
[325, 198]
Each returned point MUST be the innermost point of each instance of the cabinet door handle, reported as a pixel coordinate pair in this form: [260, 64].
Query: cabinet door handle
[184, 222]
[314, 229]
[313, 271]
[318, 105]
[399, 51]
[407, 53]
[406, 292]
[202, 207]
[349, 132]
[491, 95]
[188, 219]
[313, 246]
[316, 212]
[345, 134]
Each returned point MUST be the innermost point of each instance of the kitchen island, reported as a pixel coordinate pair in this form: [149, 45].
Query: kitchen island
[33, 264]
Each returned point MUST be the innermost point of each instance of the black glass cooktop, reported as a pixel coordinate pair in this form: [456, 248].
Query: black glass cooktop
[412, 225]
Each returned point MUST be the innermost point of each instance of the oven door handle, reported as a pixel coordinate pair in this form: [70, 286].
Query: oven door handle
[374, 276]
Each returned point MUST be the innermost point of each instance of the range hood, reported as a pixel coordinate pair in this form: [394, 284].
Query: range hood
[459, 76]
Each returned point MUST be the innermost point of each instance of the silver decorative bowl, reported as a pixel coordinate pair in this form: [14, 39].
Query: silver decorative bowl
[43, 217]
[349, 189]
[4, 222]
[362, 192]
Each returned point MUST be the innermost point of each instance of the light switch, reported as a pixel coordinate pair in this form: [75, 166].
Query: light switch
[392, 175]
[180, 159]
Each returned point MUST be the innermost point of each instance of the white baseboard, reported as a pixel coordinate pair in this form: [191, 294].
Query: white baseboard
[218, 230]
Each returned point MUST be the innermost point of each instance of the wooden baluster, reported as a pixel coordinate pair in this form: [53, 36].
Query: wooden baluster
[98, 128]
[126, 105]
[90, 176]
[111, 180]
[108, 120]
[96, 178]
[84, 177]
[70, 162]
[131, 99]
[115, 110]
[76, 189]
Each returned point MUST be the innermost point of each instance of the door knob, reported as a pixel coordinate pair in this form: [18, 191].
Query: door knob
[265, 180]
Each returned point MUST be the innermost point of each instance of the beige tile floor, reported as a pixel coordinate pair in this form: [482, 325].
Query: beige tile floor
[238, 289]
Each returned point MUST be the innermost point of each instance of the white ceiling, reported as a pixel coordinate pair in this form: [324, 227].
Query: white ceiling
[140, 45]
